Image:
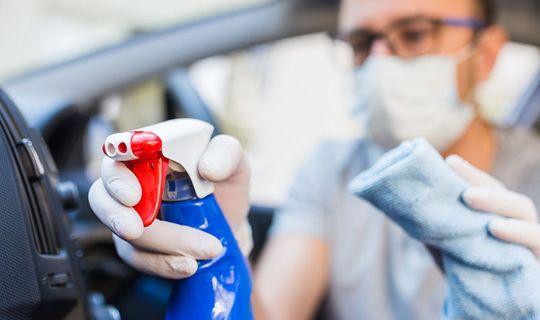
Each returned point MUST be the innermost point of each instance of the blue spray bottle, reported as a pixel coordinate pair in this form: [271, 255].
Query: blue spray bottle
[164, 158]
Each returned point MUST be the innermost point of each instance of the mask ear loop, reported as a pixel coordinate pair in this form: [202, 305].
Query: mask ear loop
[468, 53]
[472, 95]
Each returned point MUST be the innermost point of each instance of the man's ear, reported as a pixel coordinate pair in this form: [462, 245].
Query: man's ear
[490, 43]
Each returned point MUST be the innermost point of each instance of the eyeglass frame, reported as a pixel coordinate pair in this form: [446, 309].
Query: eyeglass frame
[474, 24]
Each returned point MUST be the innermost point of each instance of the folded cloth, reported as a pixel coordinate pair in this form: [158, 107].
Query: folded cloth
[486, 278]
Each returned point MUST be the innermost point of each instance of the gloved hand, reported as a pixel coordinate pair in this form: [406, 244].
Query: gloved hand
[519, 218]
[166, 249]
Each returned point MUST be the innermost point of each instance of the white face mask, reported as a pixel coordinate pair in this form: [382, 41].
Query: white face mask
[404, 99]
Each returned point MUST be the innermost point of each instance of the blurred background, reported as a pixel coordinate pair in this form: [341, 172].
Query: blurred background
[250, 92]
[264, 71]
[300, 83]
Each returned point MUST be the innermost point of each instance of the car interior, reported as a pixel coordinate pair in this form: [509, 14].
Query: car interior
[159, 74]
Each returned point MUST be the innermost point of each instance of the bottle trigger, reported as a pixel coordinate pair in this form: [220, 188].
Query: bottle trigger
[141, 153]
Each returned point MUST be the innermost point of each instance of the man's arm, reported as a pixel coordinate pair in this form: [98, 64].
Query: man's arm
[291, 277]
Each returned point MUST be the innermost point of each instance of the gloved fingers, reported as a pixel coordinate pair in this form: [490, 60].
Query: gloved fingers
[162, 265]
[120, 182]
[503, 202]
[474, 176]
[121, 220]
[244, 237]
[225, 164]
[221, 159]
[519, 232]
[172, 239]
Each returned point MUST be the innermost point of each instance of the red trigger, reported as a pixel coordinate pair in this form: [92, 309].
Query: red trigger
[150, 168]
[151, 175]
[143, 157]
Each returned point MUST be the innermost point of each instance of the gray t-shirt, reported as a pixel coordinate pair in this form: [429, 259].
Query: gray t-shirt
[377, 271]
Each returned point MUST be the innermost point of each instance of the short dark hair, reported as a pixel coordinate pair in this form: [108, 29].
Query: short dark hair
[488, 11]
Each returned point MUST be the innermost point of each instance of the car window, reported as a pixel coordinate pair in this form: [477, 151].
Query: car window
[271, 97]
[37, 33]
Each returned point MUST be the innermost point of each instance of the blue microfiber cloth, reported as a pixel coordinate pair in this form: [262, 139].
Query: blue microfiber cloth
[487, 278]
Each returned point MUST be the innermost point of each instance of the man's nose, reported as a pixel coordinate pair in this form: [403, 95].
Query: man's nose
[380, 47]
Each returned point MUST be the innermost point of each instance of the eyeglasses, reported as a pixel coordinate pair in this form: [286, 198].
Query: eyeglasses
[408, 37]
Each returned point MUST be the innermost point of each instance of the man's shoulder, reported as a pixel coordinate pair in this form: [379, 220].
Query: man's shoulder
[333, 150]
[339, 155]
[333, 163]
[520, 146]
[518, 161]
[520, 136]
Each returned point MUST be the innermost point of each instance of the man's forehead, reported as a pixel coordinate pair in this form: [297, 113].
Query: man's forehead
[379, 13]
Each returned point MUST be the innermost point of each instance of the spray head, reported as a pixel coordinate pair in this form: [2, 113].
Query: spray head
[174, 145]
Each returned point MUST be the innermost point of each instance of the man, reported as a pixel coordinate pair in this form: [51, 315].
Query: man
[418, 64]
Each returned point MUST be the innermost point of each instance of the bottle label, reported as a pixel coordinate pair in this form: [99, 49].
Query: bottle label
[178, 187]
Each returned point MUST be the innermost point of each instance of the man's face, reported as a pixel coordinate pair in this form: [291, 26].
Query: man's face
[393, 18]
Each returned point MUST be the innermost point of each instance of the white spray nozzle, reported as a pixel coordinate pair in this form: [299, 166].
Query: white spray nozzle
[183, 142]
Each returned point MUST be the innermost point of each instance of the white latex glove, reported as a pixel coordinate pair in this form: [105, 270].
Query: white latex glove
[519, 218]
[166, 249]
